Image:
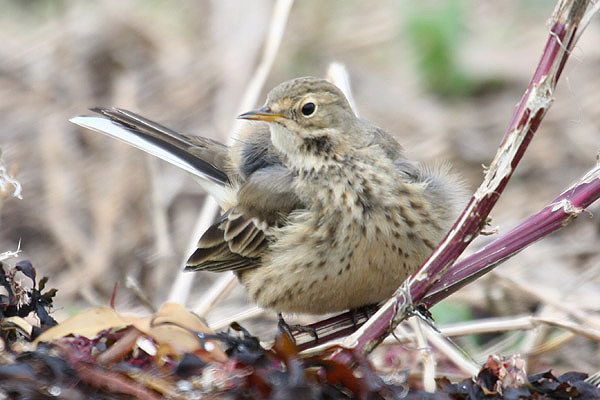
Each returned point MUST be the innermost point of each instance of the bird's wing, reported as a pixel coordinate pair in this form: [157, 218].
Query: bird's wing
[264, 199]
[233, 243]
[239, 238]
[204, 158]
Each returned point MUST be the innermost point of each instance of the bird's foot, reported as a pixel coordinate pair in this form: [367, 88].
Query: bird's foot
[368, 311]
[284, 327]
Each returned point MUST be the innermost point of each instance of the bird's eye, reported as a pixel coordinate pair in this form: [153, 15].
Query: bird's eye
[308, 109]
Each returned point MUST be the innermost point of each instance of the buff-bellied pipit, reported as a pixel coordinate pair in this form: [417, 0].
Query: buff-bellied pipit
[322, 211]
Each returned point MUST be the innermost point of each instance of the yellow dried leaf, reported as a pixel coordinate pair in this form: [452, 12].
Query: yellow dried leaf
[172, 325]
[87, 323]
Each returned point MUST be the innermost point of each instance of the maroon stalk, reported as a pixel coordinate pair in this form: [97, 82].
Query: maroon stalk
[560, 212]
[526, 118]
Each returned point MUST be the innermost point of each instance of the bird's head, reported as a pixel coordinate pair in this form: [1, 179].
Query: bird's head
[307, 117]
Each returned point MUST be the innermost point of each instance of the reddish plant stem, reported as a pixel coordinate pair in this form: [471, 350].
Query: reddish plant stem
[563, 209]
[526, 118]
[560, 212]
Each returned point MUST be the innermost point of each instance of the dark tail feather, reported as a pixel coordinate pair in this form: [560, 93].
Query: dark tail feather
[179, 145]
[202, 157]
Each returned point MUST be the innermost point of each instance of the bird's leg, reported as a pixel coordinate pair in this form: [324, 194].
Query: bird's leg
[368, 310]
[353, 315]
[284, 327]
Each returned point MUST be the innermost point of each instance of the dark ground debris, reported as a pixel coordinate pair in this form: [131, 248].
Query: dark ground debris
[18, 301]
[133, 361]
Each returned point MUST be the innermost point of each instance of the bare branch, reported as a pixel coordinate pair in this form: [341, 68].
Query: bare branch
[526, 118]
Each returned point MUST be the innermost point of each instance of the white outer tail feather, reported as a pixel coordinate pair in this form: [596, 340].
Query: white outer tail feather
[103, 125]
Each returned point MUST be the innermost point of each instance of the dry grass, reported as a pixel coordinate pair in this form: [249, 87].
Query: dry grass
[96, 212]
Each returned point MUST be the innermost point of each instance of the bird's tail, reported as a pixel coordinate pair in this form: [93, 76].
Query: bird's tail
[204, 158]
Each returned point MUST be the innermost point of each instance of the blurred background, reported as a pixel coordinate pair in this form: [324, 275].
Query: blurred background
[442, 76]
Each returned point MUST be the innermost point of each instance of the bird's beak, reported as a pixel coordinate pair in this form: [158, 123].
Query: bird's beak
[263, 114]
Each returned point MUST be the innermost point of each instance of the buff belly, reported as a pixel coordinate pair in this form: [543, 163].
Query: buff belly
[349, 267]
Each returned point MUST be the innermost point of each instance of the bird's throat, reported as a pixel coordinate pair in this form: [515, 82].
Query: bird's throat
[303, 152]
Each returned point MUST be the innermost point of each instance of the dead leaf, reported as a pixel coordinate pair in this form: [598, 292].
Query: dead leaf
[172, 325]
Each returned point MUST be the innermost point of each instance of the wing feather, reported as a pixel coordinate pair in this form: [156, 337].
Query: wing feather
[265, 196]
[239, 238]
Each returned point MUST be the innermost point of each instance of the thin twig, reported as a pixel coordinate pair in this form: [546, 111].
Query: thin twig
[251, 312]
[338, 75]
[440, 342]
[5, 255]
[6, 179]
[183, 282]
[567, 308]
[427, 356]
[217, 292]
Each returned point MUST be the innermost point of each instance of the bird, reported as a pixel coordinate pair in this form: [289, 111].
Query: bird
[322, 211]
